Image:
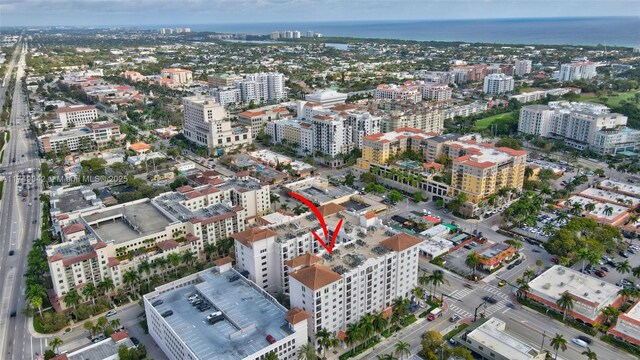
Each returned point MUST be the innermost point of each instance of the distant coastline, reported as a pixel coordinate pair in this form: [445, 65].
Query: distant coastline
[614, 31]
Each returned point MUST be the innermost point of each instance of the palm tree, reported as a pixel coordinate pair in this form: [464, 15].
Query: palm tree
[225, 245]
[473, 260]
[379, 322]
[529, 274]
[209, 249]
[523, 287]
[174, 260]
[424, 279]
[187, 257]
[326, 338]
[36, 290]
[89, 326]
[610, 313]
[55, 344]
[284, 207]
[590, 354]
[565, 302]
[115, 324]
[161, 263]
[106, 285]
[131, 278]
[558, 342]
[539, 264]
[307, 352]
[585, 255]
[623, 268]
[145, 267]
[576, 208]
[271, 356]
[400, 309]
[607, 211]
[366, 325]
[636, 271]
[36, 303]
[89, 291]
[354, 334]
[418, 292]
[437, 278]
[72, 299]
[402, 350]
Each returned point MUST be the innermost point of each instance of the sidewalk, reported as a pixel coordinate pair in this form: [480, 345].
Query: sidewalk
[73, 326]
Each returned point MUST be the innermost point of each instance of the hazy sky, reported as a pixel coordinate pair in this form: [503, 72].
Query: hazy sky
[189, 12]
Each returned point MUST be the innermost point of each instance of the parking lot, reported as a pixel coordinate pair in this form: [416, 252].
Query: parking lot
[611, 274]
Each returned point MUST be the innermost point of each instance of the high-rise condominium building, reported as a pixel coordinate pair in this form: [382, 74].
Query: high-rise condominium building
[522, 67]
[178, 76]
[498, 84]
[375, 266]
[577, 71]
[206, 123]
[262, 87]
[581, 125]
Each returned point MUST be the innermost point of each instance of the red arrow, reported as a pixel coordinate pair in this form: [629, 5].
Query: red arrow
[317, 213]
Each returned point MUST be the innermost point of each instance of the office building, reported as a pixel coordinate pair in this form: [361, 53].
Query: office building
[222, 80]
[286, 257]
[248, 323]
[590, 294]
[207, 123]
[495, 84]
[522, 67]
[107, 349]
[582, 126]
[89, 137]
[577, 71]
[75, 115]
[177, 76]
[491, 339]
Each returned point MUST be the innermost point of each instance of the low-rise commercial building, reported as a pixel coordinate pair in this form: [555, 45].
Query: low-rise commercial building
[627, 327]
[492, 257]
[75, 115]
[491, 339]
[590, 295]
[250, 323]
[87, 137]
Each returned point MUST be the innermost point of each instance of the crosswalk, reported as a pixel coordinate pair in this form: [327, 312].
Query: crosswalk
[501, 304]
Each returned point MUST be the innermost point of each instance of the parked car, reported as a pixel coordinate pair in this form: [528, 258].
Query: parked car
[135, 341]
[511, 266]
[11, 252]
[623, 254]
[554, 259]
[600, 273]
[604, 268]
[98, 339]
[167, 313]
[112, 312]
[271, 339]
[157, 302]
[454, 318]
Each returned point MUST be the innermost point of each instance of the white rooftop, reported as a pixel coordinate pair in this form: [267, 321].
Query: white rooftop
[487, 154]
[493, 335]
[621, 199]
[627, 322]
[621, 187]
[551, 284]
[616, 210]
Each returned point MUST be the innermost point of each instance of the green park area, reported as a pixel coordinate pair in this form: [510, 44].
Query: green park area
[486, 122]
[611, 100]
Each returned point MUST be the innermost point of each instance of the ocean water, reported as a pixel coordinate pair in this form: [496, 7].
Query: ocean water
[620, 31]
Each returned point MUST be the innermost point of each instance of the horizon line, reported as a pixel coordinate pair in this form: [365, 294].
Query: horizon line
[327, 21]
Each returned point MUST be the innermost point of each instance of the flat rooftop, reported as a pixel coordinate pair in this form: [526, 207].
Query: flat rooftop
[620, 187]
[249, 317]
[483, 154]
[493, 334]
[627, 323]
[128, 222]
[616, 210]
[552, 283]
[72, 200]
[323, 196]
[102, 350]
[355, 245]
[610, 196]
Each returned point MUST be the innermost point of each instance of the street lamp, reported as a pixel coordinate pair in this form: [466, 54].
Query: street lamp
[544, 334]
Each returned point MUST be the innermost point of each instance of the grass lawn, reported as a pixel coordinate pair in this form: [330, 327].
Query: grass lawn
[611, 100]
[486, 122]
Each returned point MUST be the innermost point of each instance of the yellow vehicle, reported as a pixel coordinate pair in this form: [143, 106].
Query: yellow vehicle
[502, 283]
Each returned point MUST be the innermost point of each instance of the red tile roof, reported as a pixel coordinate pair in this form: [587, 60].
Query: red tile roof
[119, 336]
[55, 257]
[304, 259]
[167, 245]
[316, 276]
[223, 261]
[184, 189]
[79, 258]
[71, 229]
[512, 152]
[400, 242]
[251, 235]
[252, 113]
[73, 109]
[295, 315]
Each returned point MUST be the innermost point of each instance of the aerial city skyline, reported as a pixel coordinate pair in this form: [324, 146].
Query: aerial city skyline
[320, 179]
